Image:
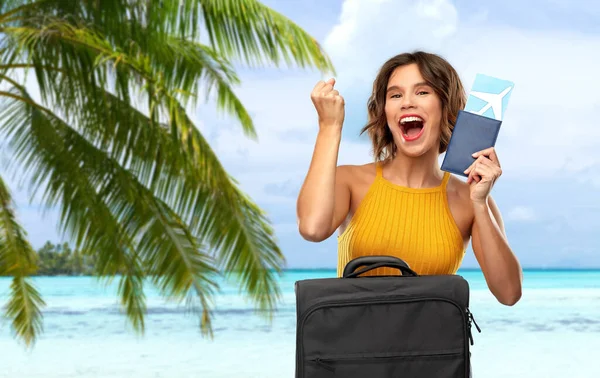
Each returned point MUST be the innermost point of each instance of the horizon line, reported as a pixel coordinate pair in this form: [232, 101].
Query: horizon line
[530, 268]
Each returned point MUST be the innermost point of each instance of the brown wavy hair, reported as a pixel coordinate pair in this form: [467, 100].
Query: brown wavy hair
[439, 74]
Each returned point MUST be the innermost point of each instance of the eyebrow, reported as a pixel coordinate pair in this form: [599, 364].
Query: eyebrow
[420, 84]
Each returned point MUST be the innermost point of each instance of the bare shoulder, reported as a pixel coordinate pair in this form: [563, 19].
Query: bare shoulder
[357, 175]
[458, 189]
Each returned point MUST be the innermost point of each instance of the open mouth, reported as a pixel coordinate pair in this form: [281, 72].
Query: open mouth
[412, 127]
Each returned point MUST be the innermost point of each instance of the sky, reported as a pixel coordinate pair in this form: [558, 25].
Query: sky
[549, 143]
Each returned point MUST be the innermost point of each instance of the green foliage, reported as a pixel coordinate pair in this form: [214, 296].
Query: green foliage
[62, 260]
[110, 144]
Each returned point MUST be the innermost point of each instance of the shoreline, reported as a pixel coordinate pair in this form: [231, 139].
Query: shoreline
[333, 270]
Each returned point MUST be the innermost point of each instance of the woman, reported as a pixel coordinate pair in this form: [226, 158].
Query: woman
[403, 204]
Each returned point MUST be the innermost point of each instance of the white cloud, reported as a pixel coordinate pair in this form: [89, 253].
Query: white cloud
[521, 214]
[275, 160]
[550, 123]
[369, 32]
[287, 127]
[549, 131]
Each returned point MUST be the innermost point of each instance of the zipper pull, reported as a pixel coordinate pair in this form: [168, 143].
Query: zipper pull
[471, 320]
[470, 335]
[474, 322]
[325, 365]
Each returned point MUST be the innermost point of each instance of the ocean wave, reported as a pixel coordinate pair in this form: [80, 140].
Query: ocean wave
[116, 310]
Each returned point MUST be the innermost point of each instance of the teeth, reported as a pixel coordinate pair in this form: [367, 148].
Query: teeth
[411, 119]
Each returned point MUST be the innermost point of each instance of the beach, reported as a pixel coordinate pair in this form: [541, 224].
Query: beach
[554, 329]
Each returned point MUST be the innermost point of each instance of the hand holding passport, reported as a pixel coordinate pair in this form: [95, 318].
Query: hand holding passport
[478, 125]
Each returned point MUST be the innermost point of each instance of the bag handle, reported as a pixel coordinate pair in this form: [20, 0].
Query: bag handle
[373, 262]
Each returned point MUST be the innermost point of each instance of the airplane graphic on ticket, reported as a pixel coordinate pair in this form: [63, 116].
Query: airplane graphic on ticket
[489, 96]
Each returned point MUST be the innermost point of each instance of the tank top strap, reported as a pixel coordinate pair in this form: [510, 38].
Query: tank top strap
[445, 179]
[379, 168]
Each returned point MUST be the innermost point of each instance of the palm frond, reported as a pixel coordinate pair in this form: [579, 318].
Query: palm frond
[9, 8]
[109, 212]
[197, 68]
[125, 128]
[95, 221]
[176, 65]
[31, 131]
[257, 34]
[242, 236]
[18, 259]
[141, 189]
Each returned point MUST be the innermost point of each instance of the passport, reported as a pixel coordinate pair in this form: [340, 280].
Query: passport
[478, 124]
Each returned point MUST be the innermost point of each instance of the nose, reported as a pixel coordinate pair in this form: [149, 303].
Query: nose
[407, 102]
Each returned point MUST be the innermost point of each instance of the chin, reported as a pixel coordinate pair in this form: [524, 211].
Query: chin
[416, 148]
[413, 151]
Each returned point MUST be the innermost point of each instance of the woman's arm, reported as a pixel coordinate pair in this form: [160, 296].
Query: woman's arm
[324, 199]
[499, 264]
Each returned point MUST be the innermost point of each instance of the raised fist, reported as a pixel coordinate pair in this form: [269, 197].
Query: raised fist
[329, 104]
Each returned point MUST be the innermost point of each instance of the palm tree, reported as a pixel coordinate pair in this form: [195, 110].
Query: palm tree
[137, 185]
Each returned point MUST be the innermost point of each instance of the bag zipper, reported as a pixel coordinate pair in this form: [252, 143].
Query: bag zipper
[466, 314]
[326, 361]
[472, 320]
[324, 364]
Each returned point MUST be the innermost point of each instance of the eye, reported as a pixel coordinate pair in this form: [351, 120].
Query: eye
[423, 92]
[397, 95]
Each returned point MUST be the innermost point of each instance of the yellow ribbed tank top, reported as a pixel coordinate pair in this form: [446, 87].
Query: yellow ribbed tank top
[414, 224]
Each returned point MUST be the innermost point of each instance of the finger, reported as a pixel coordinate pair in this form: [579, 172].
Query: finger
[470, 167]
[495, 169]
[326, 86]
[485, 172]
[473, 178]
[485, 152]
[487, 162]
[481, 170]
[327, 89]
[471, 172]
[468, 170]
[334, 93]
[490, 153]
[319, 86]
[493, 156]
[479, 159]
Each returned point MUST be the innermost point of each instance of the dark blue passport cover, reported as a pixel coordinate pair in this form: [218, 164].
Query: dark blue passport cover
[471, 133]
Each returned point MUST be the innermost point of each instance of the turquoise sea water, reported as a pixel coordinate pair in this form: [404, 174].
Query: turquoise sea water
[553, 331]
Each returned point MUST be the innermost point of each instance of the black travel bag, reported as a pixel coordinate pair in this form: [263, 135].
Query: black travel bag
[404, 326]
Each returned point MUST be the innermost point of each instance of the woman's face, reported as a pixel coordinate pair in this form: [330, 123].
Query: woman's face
[413, 111]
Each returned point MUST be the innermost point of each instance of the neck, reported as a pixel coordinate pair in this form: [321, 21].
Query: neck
[415, 172]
